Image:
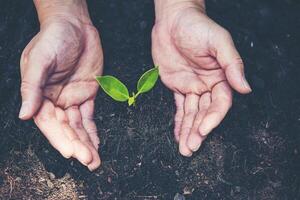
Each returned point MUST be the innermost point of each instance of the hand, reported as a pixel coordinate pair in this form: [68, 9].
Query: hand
[58, 69]
[199, 63]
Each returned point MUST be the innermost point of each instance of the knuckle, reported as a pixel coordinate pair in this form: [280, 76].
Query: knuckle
[186, 128]
[92, 130]
[226, 34]
[90, 126]
[191, 112]
[179, 107]
[64, 120]
[37, 55]
[155, 31]
[179, 113]
[41, 119]
[205, 106]
[93, 30]
[24, 57]
[93, 33]
[238, 62]
[26, 52]
[198, 87]
[26, 86]
[76, 124]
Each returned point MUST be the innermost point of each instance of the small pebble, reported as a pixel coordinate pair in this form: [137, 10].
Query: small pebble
[51, 176]
[109, 179]
[50, 184]
[18, 179]
[188, 190]
[179, 197]
[238, 189]
[295, 151]
[64, 187]
[67, 175]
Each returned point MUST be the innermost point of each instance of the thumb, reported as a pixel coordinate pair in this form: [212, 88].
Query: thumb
[34, 71]
[231, 62]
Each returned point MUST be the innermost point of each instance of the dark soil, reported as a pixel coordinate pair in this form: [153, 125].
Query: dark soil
[254, 154]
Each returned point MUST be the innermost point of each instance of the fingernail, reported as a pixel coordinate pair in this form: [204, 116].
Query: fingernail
[196, 147]
[189, 154]
[204, 131]
[24, 109]
[246, 84]
[185, 153]
[91, 168]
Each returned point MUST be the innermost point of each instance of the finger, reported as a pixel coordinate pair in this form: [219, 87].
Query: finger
[87, 114]
[96, 159]
[80, 151]
[75, 121]
[189, 83]
[47, 122]
[34, 72]
[190, 111]
[195, 139]
[230, 60]
[69, 96]
[221, 103]
[179, 102]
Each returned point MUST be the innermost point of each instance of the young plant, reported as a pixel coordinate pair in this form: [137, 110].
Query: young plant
[119, 92]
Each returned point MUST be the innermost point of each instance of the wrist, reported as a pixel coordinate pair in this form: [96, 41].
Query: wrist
[72, 10]
[169, 8]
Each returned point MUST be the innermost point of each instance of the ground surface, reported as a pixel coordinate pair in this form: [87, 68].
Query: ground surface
[254, 154]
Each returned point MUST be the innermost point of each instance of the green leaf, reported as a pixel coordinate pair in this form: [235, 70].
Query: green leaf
[147, 80]
[113, 87]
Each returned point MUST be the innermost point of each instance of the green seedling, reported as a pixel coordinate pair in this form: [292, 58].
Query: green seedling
[119, 92]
